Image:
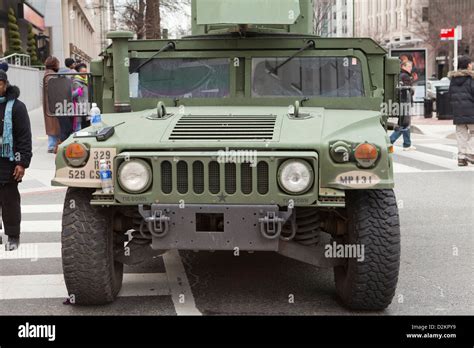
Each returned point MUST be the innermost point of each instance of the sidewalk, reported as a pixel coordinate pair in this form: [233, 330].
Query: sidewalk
[444, 129]
[38, 176]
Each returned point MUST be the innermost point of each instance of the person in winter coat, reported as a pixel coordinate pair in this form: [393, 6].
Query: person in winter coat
[52, 125]
[80, 94]
[15, 157]
[69, 65]
[403, 127]
[462, 101]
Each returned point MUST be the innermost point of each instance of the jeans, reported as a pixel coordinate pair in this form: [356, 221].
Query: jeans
[52, 141]
[406, 136]
[66, 127]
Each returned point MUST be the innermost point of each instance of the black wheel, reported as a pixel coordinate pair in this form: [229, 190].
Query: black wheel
[92, 276]
[373, 222]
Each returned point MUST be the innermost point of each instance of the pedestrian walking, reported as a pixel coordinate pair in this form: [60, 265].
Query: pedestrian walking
[52, 125]
[404, 120]
[462, 101]
[58, 94]
[15, 157]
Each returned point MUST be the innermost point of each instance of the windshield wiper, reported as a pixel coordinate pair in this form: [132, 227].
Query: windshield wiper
[169, 46]
[309, 44]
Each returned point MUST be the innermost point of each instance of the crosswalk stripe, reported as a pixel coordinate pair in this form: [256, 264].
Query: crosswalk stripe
[401, 168]
[181, 292]
[53, 286]
[41, 226]
[32, 251]
[42, 208]
[442, 147]
[431, 159]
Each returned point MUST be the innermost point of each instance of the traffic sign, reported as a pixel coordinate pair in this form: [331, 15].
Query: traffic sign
[453, 34]
[448, 34]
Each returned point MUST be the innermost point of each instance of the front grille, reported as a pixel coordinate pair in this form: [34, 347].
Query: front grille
[246, 178]
[182, 177]
[214, 178]
[224, 127]
[230, 178]
[262, 178]
[166, 177]
[235, 178]
[198, 177]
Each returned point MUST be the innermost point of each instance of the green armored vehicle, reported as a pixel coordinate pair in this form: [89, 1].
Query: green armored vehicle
[252, 134]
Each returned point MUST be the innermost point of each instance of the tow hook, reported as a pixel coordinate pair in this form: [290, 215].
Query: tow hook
[272, 224]
[156, 219]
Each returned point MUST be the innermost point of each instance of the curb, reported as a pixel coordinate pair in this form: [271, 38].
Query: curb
[417, 130]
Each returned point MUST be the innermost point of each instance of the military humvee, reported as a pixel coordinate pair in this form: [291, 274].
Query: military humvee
[252, 134]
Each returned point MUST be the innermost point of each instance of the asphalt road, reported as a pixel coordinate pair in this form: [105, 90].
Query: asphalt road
[437, 271]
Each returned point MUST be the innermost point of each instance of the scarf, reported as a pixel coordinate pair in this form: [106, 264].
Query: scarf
[7, 147]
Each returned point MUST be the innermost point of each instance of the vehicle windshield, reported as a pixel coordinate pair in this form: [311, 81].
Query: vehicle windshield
[307, 77]
[180, 78]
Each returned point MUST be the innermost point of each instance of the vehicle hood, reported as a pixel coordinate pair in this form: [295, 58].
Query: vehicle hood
[263, 128]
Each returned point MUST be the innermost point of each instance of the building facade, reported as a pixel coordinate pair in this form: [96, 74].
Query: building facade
[104, 21]
[26, 14]
[341, 18]
[393, 23]
[72, 30]
[336, 16]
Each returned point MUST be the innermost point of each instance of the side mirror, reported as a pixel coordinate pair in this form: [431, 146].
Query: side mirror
[67, 95]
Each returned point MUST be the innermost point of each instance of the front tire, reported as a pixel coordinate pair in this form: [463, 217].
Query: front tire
[92, 276]
[372, 221]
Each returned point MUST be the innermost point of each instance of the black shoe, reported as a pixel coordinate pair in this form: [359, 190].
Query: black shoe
[469, 159]
[12, 244]
[462, 163]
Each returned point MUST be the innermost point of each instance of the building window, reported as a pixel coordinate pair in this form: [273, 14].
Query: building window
[3, 41]
[425, 14]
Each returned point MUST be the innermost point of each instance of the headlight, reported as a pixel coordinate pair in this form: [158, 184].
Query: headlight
[76, 155]
[135, 176]
[295, 176]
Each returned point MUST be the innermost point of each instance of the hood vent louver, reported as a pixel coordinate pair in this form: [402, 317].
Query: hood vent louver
[224, 127]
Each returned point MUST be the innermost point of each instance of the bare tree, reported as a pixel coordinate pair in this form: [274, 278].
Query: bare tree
[144, 17]
[153, 19]
[322, 9]
[133, 17]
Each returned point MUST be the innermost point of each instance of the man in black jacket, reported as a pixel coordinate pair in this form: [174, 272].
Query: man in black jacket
[462, 100]
[15, 157]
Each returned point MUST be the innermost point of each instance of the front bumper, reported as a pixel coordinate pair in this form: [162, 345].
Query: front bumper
[214, 227]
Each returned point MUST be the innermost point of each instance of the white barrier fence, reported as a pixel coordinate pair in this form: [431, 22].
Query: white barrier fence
[30, 82]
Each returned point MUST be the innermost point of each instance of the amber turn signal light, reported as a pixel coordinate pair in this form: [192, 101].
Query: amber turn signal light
[366, 155]
[76, 154]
